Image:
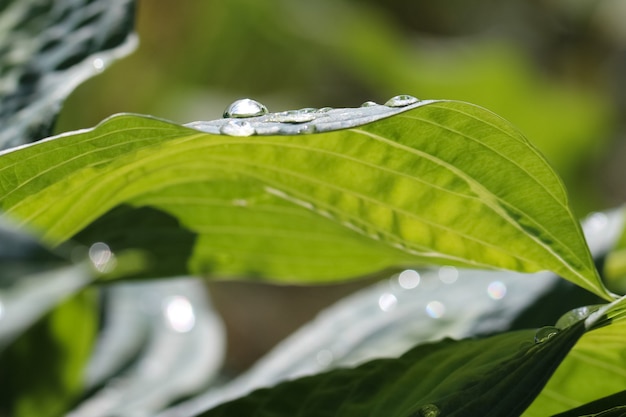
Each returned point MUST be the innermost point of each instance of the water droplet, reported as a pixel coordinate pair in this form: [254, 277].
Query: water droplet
[574, 316]
[98, 64]
[369, 104]
[545, 333]
[401, 101]
[237, 128]
[324, 109]
[448, 274]
[324, 357]
[308, 110]
[245, 108]
[387, 302]
[101, 257]
[409, 279]
[179, 314]
[302, 129]
[292, 116]
[429, 410]
[435, 309]
[496, 290]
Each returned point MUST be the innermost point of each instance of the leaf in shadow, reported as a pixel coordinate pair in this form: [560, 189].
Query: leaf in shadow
[493, 376]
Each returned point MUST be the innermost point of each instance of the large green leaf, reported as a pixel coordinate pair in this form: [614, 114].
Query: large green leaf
[494, 376]
[446, 182]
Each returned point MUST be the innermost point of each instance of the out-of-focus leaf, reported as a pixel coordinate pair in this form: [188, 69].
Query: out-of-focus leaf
[49, 48]
[615, 265]
[397, 191]
[41, 373]
[33, 279]
[611, 406]
[494, 376]
[168, 339]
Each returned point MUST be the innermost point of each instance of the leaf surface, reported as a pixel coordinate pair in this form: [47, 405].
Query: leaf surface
[446, 182]
[594, 368]
[494, 376]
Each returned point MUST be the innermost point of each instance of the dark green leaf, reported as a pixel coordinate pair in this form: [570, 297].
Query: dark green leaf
[611, 406]
[494, 376]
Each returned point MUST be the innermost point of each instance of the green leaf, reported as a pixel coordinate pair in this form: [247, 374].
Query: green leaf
[444, 182]
[494, 376]
[594, 368]
[41, 373]
[611, 406]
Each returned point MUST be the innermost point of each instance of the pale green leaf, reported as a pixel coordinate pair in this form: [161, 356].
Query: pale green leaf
[445, 182]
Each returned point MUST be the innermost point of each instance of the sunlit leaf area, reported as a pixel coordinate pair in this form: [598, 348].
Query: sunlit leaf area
[331, 208]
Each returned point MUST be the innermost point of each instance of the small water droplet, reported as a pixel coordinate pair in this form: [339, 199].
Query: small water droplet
[98, 64]
[429, 410]
[245, 108]
[402, 100]
[302, 129]
[292, 116]
[102, 258]
[308, 110]
[409, 279]
[237, 128]
[369, 104]
[496, 290]
[545, 333]
[435, 309]
[448, 274]
[387, 302]
[324, 109]
[574, 316]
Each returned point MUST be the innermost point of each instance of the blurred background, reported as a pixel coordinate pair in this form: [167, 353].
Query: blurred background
[554, 68]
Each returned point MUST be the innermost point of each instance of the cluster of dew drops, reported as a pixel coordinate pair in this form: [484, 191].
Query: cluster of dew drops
[246, 108]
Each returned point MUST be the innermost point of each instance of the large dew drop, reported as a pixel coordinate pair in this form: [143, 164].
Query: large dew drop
[237, 128]
[402, 100]
[245, 108]
[574, 316]
[545, 333]
[428, 410]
